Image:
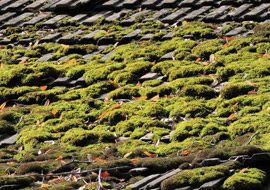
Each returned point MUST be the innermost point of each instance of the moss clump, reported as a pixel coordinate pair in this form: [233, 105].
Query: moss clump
[81, 137]
[198, 176]
[198, 90]
[95, 90]
[185, 71]
[151, 83]
[155, 110]
[160, 90]
[182, 82]
[236, 89]
[126, 92]
[246, 179]
[35, 167]
[22, 181]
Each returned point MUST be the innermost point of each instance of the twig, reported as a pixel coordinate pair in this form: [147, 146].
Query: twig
[99, 179]
[251, 138]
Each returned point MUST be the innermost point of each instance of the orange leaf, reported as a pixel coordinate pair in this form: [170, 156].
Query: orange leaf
[54, 180]
[116, 106]
[127, 155]
[2, 107]
[114, 84]
[104, 174]
[74, 178]
[102, 115]
[50, 173]
[98, 159]
[205, 63]
[243, 170]
[70, 61]
[141, 98]
[199, 59]
[54, 112]
[38, 123]
[11, 163]
[213, 26]
[186, 152]
[229, 38]
[59, 158]
[235, 105]
[47, 103]
[45, 185]
[185, 22]
[43, 88]
[230, 117]
[225, 46]
[150, 155]
[155, 98]
[2, 65]
[23, 61]
[252, 93]
[154, 63]
[134, 160]
[138, 84]
[20, 148]
[124, 114]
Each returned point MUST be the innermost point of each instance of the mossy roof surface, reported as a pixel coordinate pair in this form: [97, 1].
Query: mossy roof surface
[111, 83]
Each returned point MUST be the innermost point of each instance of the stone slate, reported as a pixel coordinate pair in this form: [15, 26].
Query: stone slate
[234, 32]
[89, 38]
[5, 3]
[157, 15]
[147, 37]
[53, 21]
[147, 137]
[211, 162]
[150, 3]
[9, 141]
[239, 11]
[167, 3]
[62, 4]
[36, 19]
[168, 36]
[148, 76]
[212, 184]
[155, 183]
[105, 41]
[60, 82]
[116, 16]
[260, 157]
[130, 20]
[131, 3]
[110, 4]
[92, 19]
[167, 56]
[51, 37]
[107, 56]
[175, 16]
[35, 5]
[144, 181]
[6, 16]
[184, 188]
[17, 20]
[88, 56]
[216, 13]
[130, 36]
[70, 38]
[45, 57]
[15, 5]
[78, 18]
[257, 11]
[194, 14]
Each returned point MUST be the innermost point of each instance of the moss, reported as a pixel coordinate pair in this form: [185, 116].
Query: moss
[197, 29]
[126, 92]
[35, 167]
[205, 49]
[111, 164]
[236, 89]
[67, 185]
[113, 117]
[155, 110]
[198, 176]
[128, 146]
[160, 90]
[7, 153]
[198, 90]
[185, 71]
[22, 181]
[251, 178]
[151, 83]
[160, 165]
[95, 90]
[138, 133]
[182, 82]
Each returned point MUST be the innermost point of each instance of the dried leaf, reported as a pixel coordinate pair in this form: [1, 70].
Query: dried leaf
[252, 92]
[197, 60]
[43, 88]
[54, 180]
[213, 26]
[150, 155]
[20, 148]
[74, 178]
[134, 160]
[138, 84]
[70, 61]
[11, 163]
[102, 115]
[2, 107]
[49, 151]
[205, 63]
[104, 174]
[185, 22]
[212, 58]
[253, 84]
[59, 158]
[54, 112]
[225, 46]
[38, 123]
[154, 63]
[186, 152]
[47, 103]
[127, 155]
[98, 159]
[155, 98]
[230, 117]
[116, 106]
[2, 65]
[65, 46]
[140, 98]
[235, 105]
[243, 170]
[23, 61]
[114, 84]
[45, 185]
